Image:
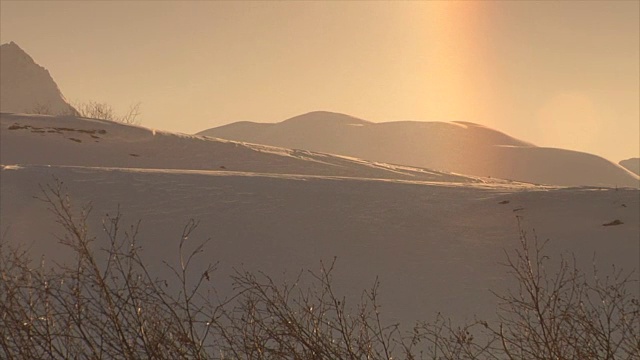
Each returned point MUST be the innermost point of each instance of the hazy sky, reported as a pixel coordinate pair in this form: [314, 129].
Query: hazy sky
[562, 74]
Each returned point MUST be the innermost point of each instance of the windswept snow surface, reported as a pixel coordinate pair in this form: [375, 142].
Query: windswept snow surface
[434, 239]
[460, 147]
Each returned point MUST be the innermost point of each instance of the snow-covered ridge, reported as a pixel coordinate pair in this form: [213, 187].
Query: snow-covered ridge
[459, 147]
[632, 164]
[69, 140]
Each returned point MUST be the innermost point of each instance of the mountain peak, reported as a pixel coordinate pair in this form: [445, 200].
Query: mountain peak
[324, 117]
[11, 45]
[14, 52]
[27, 87]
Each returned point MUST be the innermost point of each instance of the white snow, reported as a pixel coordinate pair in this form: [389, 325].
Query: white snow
[460, 147]
[66, 140]
[435, 239]
[632, 164]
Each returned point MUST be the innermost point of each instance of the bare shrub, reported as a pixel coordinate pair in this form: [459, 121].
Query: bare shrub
[94, 110]
[41, 109]
[103, 111]
[107, 305]
[287, 321]
[567, 315]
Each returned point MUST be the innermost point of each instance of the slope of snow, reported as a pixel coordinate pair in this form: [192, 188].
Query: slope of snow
[434, 247]
[459, 147]
[632, 164]
[434, 239]
[27, 86]
[68, 140]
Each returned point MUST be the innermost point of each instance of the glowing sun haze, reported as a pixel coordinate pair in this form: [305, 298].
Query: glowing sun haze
[561, 74]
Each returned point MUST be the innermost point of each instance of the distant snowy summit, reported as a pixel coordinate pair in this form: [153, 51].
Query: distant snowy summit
[459, 147]
[632, 164]
[26, 87]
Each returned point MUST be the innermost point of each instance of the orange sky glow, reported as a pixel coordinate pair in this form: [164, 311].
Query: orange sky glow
[560, 74]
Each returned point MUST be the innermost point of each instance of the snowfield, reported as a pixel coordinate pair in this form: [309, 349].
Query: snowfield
[434, 239]
[67, 140]
[461, 147]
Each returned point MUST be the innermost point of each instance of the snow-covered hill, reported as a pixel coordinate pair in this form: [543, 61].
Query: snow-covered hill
[434, 239]
[68, 140]
[459, 147]
[434, 247]
[27, 86]
[632, 164]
